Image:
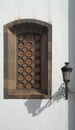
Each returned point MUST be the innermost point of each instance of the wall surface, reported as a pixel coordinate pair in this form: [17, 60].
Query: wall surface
[71, 103]
[37, 114]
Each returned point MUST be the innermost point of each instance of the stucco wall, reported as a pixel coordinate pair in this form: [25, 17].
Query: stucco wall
[37, 114]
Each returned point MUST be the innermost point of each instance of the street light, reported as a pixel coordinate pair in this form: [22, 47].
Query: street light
[66, 70]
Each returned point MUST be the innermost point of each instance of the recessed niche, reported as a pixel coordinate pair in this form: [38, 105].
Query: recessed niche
[27, 59]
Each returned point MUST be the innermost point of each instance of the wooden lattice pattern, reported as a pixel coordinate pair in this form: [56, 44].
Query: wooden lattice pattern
[28, 61]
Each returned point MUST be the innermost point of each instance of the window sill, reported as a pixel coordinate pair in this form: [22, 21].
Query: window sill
[25, 94]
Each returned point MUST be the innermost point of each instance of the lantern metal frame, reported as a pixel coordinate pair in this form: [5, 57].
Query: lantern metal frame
[66, 70]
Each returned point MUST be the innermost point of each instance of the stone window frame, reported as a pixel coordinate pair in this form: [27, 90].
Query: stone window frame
[10, 91]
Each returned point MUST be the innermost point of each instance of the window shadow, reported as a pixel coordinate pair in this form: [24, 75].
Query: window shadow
[33, 105]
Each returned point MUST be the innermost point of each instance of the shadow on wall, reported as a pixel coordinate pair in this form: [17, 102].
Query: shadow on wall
[33, 106]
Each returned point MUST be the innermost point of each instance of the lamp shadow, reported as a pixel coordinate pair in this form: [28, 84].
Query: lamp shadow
[33, 105]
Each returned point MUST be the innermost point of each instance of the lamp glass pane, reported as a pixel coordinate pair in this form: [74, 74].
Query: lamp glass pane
[66, 76]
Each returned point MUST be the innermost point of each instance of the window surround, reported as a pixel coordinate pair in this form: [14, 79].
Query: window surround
[10, 59]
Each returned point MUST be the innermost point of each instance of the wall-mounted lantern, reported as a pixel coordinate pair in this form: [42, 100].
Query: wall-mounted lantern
[66, 70]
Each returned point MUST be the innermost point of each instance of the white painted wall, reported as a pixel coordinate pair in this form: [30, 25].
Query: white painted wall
[37, 114]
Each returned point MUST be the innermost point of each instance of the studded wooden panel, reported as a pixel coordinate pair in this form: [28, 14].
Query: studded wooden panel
[28, 61]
